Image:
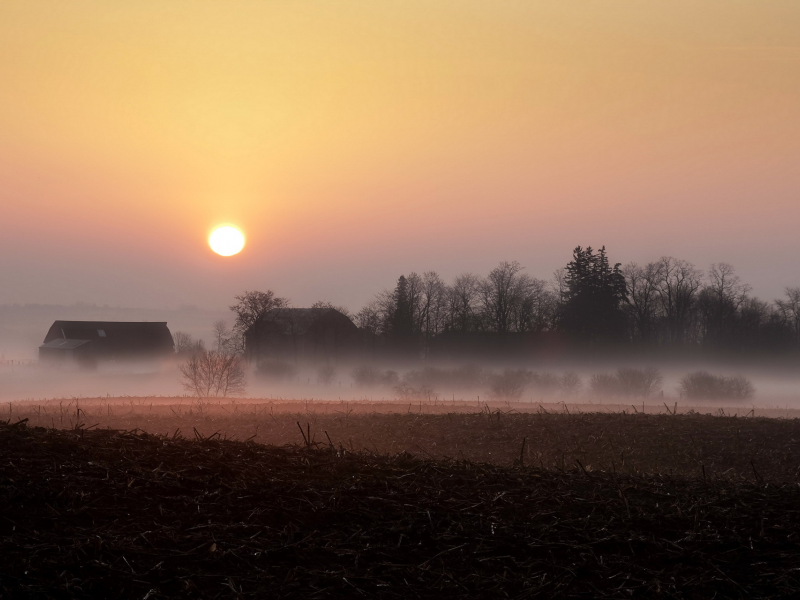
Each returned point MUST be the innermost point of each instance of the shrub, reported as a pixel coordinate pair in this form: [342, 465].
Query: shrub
[435, 378]
[604, 384]
[702, 385]
[406, 391]
[639, 383]
[367, 376]
[570, 383]
[468, 377]
[276, 369]
[740, 388]
[510, 384]
[214, 374]
[325, 374]
[630, 383]
[544, 382]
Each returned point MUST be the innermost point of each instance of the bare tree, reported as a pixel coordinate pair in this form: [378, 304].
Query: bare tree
[463, 303]
[214, 375]
[252, 317]
[789, 310]
[376, 316]
[186, 345]
[414, 287]
[534, 307]
[325, 374]
[498, 294]
[223, 337]
[369, 318]
[677, 293]
[719, 303]
[342, 309]
[754, 317]
[558, 282]
[642, 285]
[432, 306]
[514, 301]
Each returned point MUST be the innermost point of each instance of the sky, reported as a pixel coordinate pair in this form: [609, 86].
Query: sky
[353, 141]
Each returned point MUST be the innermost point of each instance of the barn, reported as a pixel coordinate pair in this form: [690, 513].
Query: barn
[88, 341]
[307, 334]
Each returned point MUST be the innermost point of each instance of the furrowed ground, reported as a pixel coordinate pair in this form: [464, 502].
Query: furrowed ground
[684, 444]
[588, 505]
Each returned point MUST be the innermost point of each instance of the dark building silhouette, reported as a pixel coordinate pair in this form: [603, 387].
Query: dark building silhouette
[89, 341]
[309, 334]
[59, 350]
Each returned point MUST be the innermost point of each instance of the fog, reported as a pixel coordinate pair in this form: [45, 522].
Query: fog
[405, 382]
[22, 330]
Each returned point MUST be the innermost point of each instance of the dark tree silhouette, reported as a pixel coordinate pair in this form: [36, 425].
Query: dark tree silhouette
[591, 309]
[401, 326]
[252, 311]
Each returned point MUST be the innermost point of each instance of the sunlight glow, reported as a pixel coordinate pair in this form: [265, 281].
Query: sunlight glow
[226, 240]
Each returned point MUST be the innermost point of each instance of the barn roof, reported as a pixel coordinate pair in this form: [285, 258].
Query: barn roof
[115, 337]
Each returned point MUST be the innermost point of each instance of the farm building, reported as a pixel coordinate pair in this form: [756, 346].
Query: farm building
[88, 341]
[309, 334]
[59, 350]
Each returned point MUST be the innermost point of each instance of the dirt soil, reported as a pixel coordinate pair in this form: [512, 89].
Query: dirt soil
[672, 442]
[114, 514]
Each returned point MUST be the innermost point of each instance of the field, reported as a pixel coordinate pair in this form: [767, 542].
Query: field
[395, 501]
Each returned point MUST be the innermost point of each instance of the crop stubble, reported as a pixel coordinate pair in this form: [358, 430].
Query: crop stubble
[109, 513]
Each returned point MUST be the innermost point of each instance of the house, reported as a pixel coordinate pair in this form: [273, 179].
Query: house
[89, 341]
[308, 334]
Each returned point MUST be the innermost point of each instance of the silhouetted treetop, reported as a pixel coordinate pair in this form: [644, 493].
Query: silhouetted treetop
[592, 302]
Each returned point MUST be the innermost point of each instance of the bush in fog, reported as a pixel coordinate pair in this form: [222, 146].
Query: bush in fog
[469, 376]
[325, 374]
[405, 390]
[544, 382]
[639, 383]
[702, 385]
[276, 369]
[510, 384]
[604, 384]
[435, 378]
[214, 375]
[570, 383]
[629, 383]
[366, 376]
[739, 387]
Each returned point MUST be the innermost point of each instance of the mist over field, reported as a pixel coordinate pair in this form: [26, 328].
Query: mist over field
[775, 386]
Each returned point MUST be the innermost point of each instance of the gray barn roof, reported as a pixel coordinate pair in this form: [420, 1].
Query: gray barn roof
[298, 321]
[116, 338]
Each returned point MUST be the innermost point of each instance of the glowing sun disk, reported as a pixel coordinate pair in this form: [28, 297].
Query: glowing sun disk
[226, 240]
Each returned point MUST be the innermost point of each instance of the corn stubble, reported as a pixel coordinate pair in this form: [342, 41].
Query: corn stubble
[367, 504]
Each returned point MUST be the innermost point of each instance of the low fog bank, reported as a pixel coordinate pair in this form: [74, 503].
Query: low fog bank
[755, 385]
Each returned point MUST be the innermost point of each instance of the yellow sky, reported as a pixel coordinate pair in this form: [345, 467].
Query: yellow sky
[354, 141]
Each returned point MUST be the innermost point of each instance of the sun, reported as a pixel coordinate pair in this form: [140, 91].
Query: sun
[226, 240]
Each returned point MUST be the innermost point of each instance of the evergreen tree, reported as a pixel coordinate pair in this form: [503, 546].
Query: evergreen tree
[592, 300]
[401, 329]
[402, 319]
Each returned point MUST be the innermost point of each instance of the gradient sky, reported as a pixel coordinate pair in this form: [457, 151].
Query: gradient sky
[355, 141]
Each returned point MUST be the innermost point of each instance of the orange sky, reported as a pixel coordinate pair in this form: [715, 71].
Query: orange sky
[354, 141]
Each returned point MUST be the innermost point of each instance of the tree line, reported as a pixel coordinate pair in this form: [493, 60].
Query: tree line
[668, 304]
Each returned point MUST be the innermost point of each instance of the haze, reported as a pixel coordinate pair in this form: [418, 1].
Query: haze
[354, 141]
